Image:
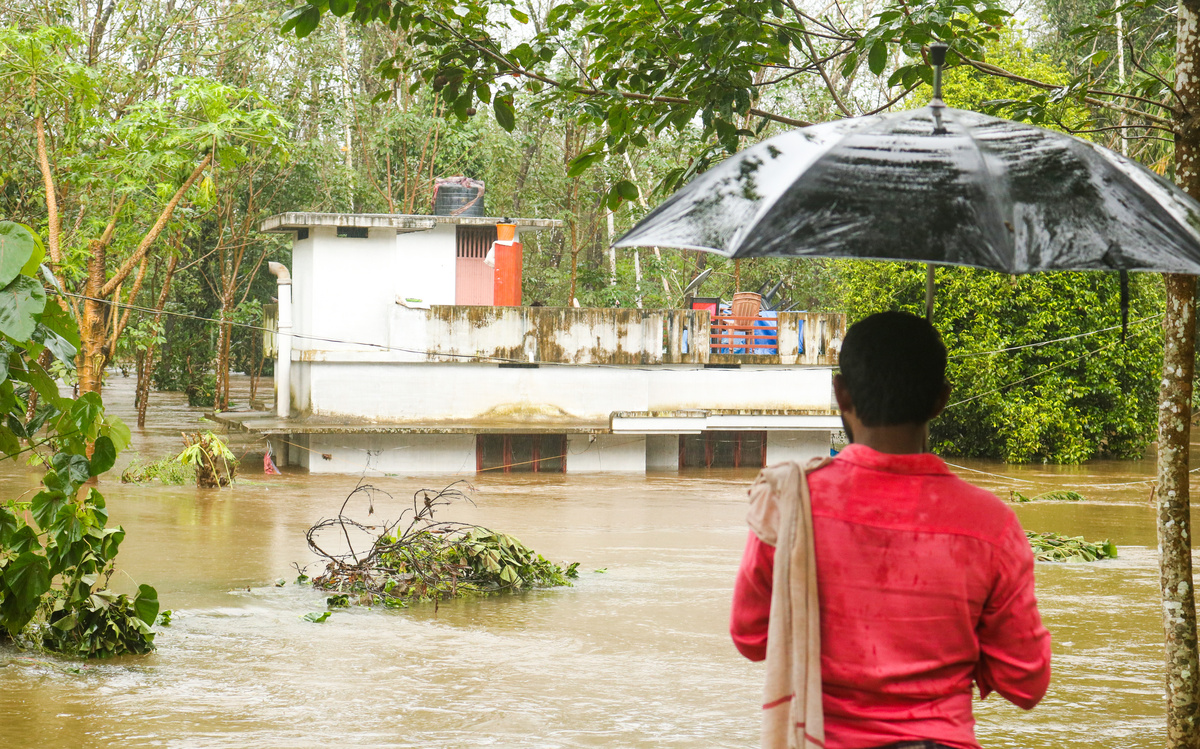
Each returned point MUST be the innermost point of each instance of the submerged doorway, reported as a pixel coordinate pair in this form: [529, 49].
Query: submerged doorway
[521, 453]
[723, 450]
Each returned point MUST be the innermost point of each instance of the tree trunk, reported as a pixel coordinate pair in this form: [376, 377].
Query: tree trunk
[1174, 516]
[1174, 422]
[146, 373]
[221, 386]
[93, 352]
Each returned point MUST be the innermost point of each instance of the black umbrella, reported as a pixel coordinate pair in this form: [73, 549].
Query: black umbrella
[935, 185]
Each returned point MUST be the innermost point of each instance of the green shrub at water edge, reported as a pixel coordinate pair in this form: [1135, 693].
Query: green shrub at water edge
[167, 471]
[57, 552]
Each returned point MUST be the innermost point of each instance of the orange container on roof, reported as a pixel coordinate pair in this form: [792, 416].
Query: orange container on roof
[509, 266]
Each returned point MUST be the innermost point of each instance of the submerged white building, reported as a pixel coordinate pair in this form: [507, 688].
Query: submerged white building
[397, 362]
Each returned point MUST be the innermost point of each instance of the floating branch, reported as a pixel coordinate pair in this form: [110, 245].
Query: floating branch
[428, 560]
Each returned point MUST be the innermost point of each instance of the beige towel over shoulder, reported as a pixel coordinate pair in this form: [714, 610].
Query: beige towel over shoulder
[781, 516]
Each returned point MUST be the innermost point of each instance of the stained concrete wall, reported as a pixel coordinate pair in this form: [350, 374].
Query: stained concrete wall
[609, 453]
[662, 452]
[403, 454]
[542, 334]
[425, 265]
[488, 393]
[353, 283]
[480, 392]
[746, 388]
[800, 446]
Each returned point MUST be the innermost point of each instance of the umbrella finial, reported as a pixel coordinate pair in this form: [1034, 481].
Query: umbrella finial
[937, 57]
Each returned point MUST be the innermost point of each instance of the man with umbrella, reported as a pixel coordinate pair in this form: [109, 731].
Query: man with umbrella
[946, 187]
[925, 581]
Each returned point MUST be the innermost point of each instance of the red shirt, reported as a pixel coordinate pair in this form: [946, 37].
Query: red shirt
[926, 584]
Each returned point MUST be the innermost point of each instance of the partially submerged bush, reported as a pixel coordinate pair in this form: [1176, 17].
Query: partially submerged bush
[1053, 547]
[213, 461]
[1058, 495]
[57, 554]
[429, 560]
[167, 470]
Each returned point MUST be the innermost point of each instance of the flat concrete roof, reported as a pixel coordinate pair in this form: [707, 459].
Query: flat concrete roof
[268, 423]
[620, 422]
[400, 222]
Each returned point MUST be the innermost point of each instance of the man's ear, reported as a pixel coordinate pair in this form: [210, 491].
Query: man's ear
[940, 404]
[841, 394]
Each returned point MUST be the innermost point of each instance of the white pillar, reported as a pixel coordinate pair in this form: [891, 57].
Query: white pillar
[283, 341]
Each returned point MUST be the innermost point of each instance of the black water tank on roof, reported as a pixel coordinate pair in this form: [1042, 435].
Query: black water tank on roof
[452, 198]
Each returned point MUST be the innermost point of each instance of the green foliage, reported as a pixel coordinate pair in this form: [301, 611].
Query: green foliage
[1059, 495]
[56, 551]
[211, 459]
[429, 560]
[966, 87]
[1063, 402]
[168, 471]
[1053, 547]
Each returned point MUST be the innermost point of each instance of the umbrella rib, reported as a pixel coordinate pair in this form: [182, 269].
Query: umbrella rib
[996, 193]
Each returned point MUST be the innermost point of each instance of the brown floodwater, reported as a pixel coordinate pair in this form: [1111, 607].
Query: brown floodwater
[634, 655]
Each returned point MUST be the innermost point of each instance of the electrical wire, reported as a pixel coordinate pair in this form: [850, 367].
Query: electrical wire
[1055, 340]
[1034, 375]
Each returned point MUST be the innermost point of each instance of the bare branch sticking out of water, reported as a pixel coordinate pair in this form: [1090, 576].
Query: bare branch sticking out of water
[429, 559]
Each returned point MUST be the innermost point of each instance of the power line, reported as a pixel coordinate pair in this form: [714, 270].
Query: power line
[1055, 340]
[1032, 376]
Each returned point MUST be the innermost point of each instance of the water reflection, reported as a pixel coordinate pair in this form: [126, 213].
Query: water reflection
[634, 657]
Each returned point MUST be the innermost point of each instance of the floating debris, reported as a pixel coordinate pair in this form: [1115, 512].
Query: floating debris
[1054, 547]
[166, 470]
[1059, 495]
[429, 560]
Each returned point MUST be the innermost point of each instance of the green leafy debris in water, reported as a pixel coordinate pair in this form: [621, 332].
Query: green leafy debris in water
[1059, 495]
[167, 471]
[1054, 547]
[317, 617]
[430, 560]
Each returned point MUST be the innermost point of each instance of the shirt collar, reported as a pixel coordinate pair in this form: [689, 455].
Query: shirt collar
[913, 463]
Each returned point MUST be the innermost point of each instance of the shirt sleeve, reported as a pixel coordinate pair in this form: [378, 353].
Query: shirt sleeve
[752, 599]
[1014, 646]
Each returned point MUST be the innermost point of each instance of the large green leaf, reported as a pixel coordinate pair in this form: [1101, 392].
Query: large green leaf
[146, 604]
[16, 247]
[103, 456]
[27, 577]
[45, 505]
[20, 303]
[74, 468]
[505, 116]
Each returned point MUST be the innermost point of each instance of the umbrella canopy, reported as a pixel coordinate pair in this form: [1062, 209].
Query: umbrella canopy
[934, 185]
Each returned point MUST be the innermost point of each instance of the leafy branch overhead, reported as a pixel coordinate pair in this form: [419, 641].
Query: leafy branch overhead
[731, 67]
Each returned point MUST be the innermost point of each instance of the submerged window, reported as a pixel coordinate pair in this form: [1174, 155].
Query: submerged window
[723, 450]
[521, 453]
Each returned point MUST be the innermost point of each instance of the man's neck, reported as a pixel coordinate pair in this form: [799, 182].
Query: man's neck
[894, 439]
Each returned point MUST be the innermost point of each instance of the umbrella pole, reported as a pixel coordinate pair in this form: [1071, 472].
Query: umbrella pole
[929, 284]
